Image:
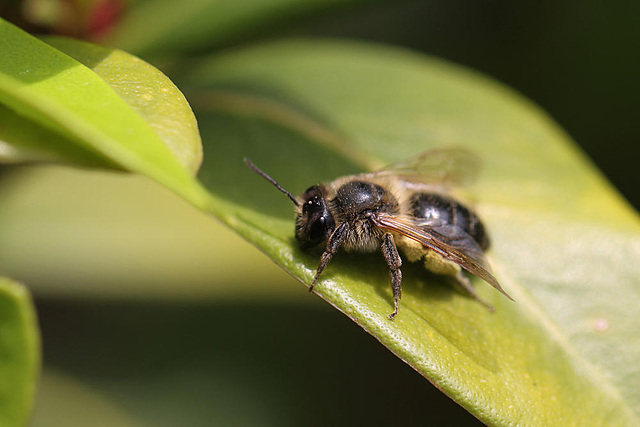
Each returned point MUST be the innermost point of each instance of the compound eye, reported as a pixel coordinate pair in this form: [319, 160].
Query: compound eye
[315, 222]
[316, 231]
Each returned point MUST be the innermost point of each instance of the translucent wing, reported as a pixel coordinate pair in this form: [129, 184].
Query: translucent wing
[440, 166]
[446, 240]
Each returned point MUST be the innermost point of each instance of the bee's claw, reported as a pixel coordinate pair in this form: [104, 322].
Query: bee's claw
[313, 284]
[392, 316]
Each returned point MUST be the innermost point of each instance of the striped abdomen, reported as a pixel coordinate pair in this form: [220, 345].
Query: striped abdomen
[447, 210]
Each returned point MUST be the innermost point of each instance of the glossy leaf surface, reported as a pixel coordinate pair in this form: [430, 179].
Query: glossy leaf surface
[122, 114]
[312, 111]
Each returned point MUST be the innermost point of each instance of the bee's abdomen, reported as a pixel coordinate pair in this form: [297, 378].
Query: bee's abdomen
[447, 210]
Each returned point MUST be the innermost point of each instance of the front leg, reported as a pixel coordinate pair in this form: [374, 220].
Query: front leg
[332, 247]
[391, 255]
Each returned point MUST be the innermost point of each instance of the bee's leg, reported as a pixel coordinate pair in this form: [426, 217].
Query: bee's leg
[390, 253]
[465, 283]
[332, 247]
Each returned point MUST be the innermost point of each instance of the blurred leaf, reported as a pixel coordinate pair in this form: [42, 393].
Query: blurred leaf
[126, 238]
[63, 401]
[567, 351]
[92, 120]
[20, 350]
[196, 24]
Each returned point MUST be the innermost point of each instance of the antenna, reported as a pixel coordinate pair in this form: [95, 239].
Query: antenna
[271, 180]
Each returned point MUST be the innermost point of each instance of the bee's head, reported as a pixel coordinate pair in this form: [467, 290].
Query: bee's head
[314, 223]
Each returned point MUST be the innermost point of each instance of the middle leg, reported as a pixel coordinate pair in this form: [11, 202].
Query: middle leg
[391, 255]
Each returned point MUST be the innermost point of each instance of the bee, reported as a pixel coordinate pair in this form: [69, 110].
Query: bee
[404, 205]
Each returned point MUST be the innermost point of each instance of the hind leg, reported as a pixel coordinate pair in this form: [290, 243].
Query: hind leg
[464, 282]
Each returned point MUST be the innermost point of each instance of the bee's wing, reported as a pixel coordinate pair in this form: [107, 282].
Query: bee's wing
[440, 166]
[449, 241]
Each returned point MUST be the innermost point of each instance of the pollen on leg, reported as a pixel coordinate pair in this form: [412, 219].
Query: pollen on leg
[412, 250]
[439, 265]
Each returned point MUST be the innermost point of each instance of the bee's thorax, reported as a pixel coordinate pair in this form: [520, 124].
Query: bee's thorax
[352, 202]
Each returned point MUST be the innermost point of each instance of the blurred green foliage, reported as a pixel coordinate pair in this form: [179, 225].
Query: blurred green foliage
[19, 353]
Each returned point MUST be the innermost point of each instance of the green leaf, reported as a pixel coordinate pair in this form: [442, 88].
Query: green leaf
[20, 350]
[196, 24]
[76, 234]
[120, 112]
[149, 92]
[565, 244]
